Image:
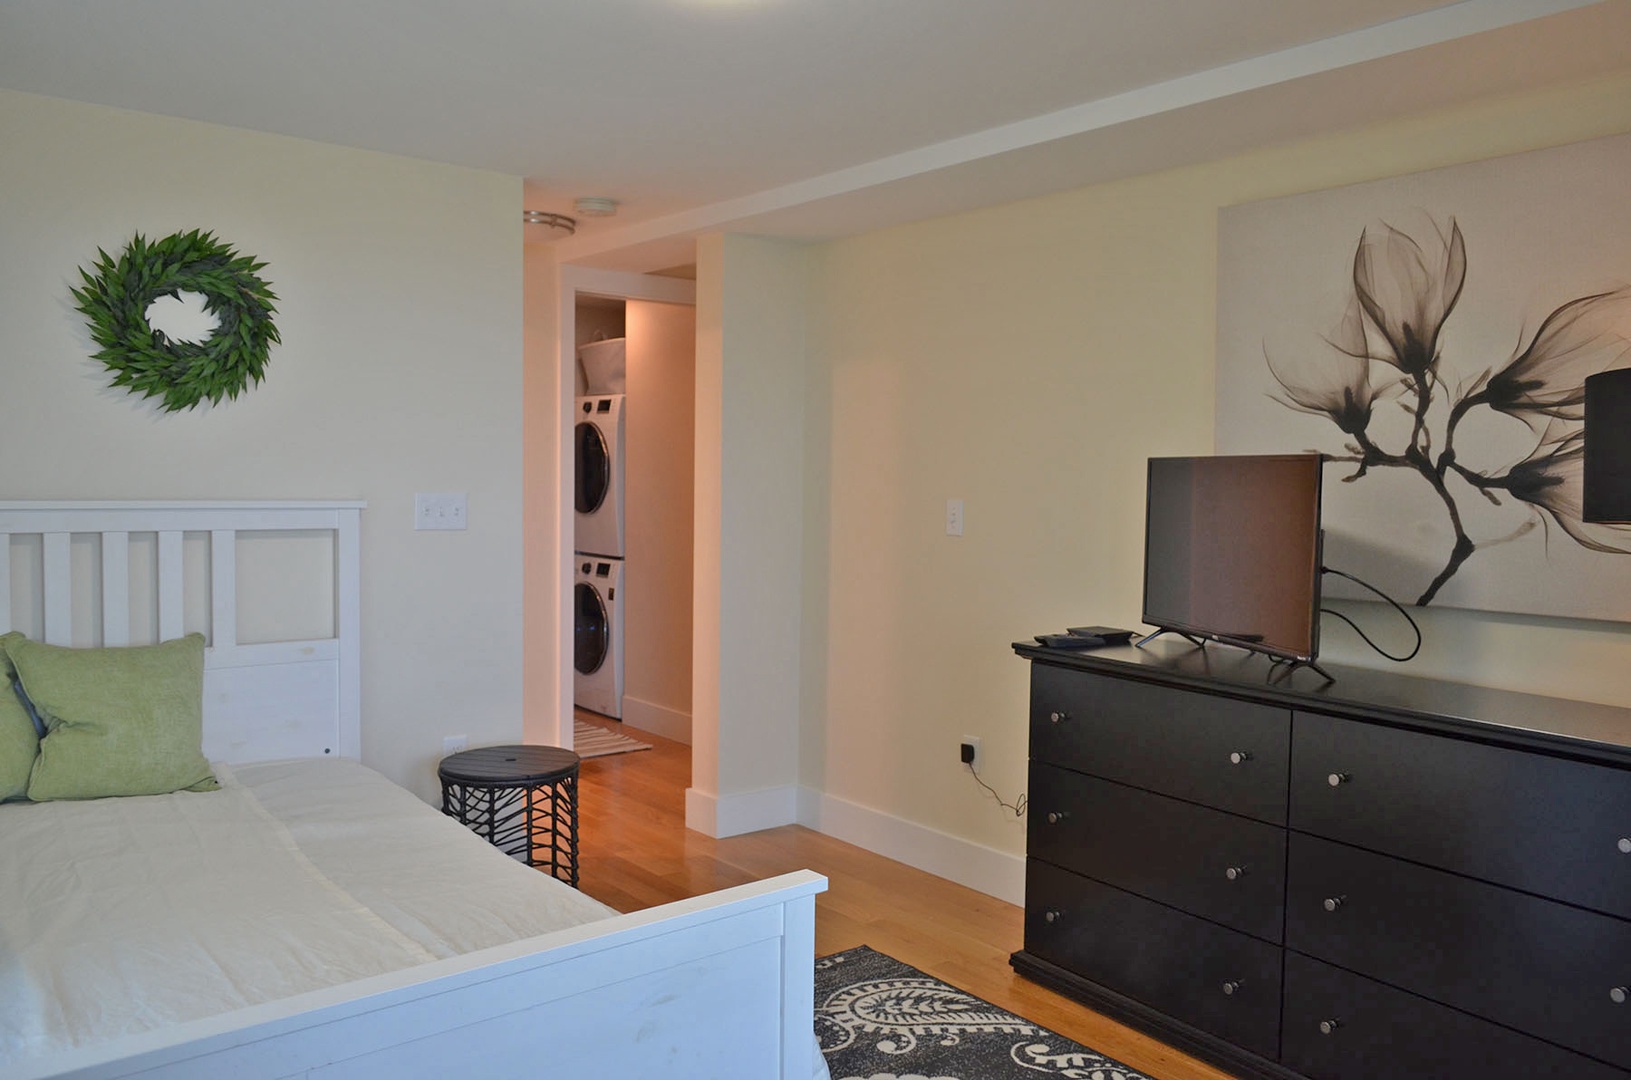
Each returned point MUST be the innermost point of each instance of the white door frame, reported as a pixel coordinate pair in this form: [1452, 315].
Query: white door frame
[575, 281]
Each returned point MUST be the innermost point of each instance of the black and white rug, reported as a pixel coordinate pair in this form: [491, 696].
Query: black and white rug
[880, 1019]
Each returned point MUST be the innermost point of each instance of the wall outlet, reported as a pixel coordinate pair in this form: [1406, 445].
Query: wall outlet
[954, 517]
[968, 752]
[442, 510]
[455, 744]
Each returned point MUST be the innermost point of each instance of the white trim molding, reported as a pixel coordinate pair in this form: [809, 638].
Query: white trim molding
[983, 869]
[720, 816]
[657, 719]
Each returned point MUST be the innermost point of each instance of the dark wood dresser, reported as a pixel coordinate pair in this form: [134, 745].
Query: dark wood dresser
[1381, 876]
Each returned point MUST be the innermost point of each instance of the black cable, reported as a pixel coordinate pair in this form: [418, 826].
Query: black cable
[1017, 806]
[1396, 659]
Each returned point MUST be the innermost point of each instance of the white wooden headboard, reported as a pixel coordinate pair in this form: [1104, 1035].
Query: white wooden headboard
[262, 701]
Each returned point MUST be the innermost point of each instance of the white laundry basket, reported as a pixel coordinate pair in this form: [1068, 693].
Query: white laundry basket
[604, 368]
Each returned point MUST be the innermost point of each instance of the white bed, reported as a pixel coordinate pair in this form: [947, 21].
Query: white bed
[317, 920]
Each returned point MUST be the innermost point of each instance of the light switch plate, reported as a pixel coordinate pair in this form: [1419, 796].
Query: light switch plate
[441, 510]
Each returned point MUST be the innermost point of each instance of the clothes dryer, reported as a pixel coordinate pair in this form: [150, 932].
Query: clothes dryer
[597, 636]
[598, 441]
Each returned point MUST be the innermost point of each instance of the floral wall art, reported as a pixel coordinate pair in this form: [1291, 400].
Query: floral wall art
[1431, 334]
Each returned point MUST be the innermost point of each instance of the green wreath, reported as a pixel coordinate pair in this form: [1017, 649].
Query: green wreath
[181, 373]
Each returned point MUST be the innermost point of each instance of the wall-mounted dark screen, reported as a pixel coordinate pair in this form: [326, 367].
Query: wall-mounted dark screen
[1232, 550]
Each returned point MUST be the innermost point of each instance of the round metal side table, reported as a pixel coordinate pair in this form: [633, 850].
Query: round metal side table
[521, 799]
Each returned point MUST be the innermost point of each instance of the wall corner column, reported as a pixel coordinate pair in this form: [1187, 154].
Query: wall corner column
[752, 296]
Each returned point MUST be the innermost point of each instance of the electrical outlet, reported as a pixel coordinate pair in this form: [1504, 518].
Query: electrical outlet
[954, 517]
[969, 751]
[442, 510]
[455, 744]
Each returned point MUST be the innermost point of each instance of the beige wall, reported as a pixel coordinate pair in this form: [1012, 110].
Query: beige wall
[399, 287]
[762, 433]
[1027, 359]
[659, 430]
[752, 296]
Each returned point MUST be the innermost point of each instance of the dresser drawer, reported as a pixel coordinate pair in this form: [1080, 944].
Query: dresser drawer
[1538, 823]
[1536, 965]
[1341, 1026]
[1222, 867]
[1223, 753]
[1193, 970]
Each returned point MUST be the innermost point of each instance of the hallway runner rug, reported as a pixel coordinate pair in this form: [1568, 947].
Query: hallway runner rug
[591, 740]
[880, 1019]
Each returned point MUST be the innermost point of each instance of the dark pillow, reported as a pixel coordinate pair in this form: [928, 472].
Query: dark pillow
[19, 738]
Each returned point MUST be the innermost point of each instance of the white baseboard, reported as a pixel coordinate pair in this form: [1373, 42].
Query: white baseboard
[657, 719]
[995, 873]
[983, 869]
[732, 815]
[699, 811]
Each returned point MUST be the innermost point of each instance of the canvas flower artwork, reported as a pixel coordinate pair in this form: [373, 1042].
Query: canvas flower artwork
[1387, 347]
[1431, 334]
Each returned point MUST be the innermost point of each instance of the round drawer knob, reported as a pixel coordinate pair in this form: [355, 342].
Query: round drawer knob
[1329, 1027]
[1052, 915]
[1337, 779]
[1624, 845]
[1056, 816]
[1332, 903]
[1618, 994]
[1229, 988]
[1058, 717]
[1240, 757]
[1235, 873]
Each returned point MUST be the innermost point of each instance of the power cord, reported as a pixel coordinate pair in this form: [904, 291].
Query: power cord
[1396, 659]
[1017, 806]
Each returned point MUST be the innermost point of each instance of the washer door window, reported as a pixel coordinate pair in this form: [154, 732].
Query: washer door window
[592, 637]
[594, 468]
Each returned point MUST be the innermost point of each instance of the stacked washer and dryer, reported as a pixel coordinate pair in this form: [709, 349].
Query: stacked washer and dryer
[598, 589]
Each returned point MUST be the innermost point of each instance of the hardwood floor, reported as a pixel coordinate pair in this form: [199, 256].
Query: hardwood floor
[636, 853]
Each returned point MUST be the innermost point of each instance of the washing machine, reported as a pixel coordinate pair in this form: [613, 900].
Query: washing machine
[597, 637]
[598, 439]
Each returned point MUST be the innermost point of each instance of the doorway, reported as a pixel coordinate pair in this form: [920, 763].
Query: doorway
[655, 318]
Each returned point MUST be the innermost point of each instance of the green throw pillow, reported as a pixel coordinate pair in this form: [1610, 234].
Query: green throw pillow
[19, 746]
[119, 721]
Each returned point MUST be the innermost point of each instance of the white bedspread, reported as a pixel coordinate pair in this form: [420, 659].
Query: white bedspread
[121, 915]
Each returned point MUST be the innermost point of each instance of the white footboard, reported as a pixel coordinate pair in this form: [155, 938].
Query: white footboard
[716, 986]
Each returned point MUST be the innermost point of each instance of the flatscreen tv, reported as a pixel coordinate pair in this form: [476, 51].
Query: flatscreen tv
[1232, 551]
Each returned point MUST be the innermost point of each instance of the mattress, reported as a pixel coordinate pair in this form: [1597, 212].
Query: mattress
[122, 915]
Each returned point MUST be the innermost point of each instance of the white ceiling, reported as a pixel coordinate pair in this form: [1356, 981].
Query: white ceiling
[800, 118]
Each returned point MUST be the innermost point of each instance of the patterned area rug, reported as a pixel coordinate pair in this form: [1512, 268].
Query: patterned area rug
[590, 740]
[880, 1019]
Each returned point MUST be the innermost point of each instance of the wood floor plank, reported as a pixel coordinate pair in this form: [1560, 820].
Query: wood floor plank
[636, 853]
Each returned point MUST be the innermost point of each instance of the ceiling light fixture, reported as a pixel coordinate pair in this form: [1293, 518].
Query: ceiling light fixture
[595, 206]
[559, 222]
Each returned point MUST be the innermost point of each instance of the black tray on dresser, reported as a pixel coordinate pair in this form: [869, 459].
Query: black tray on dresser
[1376, 875]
